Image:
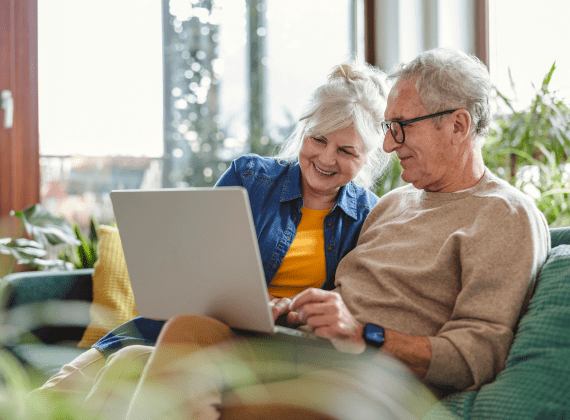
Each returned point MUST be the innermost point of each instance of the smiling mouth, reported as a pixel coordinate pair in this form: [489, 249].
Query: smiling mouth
[321, 171]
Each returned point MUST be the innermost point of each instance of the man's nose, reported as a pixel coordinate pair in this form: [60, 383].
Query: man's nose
[390, 144]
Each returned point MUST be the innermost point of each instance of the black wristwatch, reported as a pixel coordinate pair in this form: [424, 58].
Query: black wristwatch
[373, 335]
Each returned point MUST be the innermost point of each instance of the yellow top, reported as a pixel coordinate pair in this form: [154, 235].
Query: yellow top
[304, 264]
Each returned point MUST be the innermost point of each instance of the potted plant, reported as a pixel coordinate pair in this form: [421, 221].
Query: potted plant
[44, 234]
[529, 148]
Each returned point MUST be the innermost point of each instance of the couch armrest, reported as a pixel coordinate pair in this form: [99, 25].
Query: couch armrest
[39, 286]
[52, 305]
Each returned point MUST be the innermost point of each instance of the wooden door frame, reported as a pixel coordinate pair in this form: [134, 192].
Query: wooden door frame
[19, 145]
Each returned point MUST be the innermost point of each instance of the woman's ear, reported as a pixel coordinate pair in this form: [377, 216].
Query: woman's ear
[461, 125]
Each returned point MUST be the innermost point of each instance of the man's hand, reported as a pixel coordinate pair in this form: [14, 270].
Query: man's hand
[329, 318]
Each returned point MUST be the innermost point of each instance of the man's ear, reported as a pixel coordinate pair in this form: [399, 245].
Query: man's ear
[461, 125]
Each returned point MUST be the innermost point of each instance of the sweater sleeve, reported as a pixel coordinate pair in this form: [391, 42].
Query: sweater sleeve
[499, 264]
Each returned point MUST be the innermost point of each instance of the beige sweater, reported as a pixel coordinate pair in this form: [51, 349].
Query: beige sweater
[456, 267]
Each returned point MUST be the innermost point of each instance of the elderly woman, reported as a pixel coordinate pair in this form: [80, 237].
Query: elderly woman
[308, 204]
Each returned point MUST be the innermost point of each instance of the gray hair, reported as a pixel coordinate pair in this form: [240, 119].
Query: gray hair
[450, 79]
[355, 94]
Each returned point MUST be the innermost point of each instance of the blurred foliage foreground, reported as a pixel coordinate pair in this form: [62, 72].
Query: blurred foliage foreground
[244, 372]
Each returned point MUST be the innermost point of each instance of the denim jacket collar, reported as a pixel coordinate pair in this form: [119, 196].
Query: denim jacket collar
[292, 190]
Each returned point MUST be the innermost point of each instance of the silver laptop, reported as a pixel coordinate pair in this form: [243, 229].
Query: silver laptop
[194, 251]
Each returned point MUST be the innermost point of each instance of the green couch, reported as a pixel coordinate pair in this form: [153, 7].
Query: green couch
[54, 306]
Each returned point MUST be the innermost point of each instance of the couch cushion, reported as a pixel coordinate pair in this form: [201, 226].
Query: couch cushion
[535, 381]
[51, 305]
[560, 236]
[113, 300]
[546, 325]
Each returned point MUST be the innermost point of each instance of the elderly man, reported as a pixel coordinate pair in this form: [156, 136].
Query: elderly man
[445, 265]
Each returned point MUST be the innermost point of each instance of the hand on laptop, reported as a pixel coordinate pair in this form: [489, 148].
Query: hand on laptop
[280, 309]
[329, 317]
[279, 306]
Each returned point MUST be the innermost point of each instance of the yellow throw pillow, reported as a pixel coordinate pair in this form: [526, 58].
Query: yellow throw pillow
[113, 300]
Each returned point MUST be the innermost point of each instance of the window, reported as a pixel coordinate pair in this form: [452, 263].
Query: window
[525, 40]
[143, 95]
[100, 102]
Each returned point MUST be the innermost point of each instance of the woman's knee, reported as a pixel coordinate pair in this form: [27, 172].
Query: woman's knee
[127, 362]
[194, 329]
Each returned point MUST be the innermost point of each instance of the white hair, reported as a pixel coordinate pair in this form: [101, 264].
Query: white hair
[355, 94]
[450, 79]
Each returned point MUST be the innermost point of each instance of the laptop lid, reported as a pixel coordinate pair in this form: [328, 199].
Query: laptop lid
[194, 251]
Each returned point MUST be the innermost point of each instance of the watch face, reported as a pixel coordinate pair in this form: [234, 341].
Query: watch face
[374, 334]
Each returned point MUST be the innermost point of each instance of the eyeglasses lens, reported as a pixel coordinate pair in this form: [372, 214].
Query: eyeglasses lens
[396, 130]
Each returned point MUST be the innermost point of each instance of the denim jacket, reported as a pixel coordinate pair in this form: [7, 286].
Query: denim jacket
[274, 190]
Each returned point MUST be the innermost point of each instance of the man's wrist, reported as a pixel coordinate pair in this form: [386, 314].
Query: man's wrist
[413, 351]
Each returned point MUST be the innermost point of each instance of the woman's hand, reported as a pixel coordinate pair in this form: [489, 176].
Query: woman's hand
[329, 317]
[279, 306]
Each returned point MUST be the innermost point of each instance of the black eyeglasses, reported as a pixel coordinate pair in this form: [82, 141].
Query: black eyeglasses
[397, 127]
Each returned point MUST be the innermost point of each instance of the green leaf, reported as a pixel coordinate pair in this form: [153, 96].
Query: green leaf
[45, 227]
[84, 253]
[47, 264]
[22, 248]
[93, 227]
[546, 80]
[505, 99]
[557, 191]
